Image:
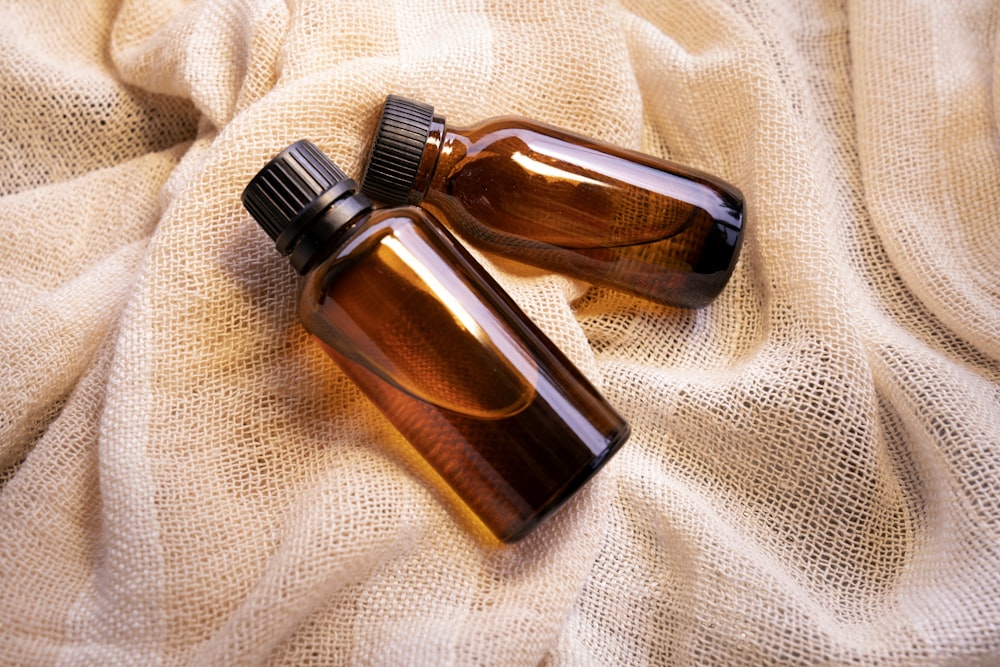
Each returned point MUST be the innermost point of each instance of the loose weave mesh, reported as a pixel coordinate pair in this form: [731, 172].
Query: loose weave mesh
[814, 471]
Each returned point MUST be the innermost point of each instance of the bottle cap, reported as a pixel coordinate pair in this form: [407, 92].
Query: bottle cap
[299, 187]
[397, 150]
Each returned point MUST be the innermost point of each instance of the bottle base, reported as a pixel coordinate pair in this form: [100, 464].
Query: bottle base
[559, 498]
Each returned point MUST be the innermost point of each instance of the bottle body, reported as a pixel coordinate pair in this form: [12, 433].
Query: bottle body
[591, 210]
[485, 398]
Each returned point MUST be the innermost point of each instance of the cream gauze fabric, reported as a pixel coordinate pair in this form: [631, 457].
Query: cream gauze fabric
[814, 471]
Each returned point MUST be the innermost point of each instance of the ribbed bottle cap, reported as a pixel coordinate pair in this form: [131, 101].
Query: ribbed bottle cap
[294, 187]
[397, 149]
[301, 198]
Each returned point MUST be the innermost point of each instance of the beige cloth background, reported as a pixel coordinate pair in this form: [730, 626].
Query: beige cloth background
[814, 476]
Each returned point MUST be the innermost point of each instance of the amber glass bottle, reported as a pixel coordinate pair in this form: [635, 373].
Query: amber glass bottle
[562, 202]
[495, 408]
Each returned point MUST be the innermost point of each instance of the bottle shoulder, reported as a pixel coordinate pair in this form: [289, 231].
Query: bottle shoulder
[502, 128]
[373, 227]
[499, 137]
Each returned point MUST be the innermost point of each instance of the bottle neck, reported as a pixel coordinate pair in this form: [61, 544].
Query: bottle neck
[322, 234]
[442, 148]
[428, 160]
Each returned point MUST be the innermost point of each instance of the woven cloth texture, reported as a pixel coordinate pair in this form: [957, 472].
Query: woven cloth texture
[814, 471]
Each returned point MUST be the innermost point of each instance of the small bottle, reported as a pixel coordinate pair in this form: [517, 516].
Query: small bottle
[562, 202]
[478, 390]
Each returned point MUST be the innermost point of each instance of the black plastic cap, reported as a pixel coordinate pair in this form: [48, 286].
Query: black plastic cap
[291, 188]
[300, 198]
[397, 149]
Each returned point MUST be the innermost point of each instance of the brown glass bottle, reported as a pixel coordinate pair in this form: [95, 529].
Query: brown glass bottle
[560, 201]
[478, 390]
